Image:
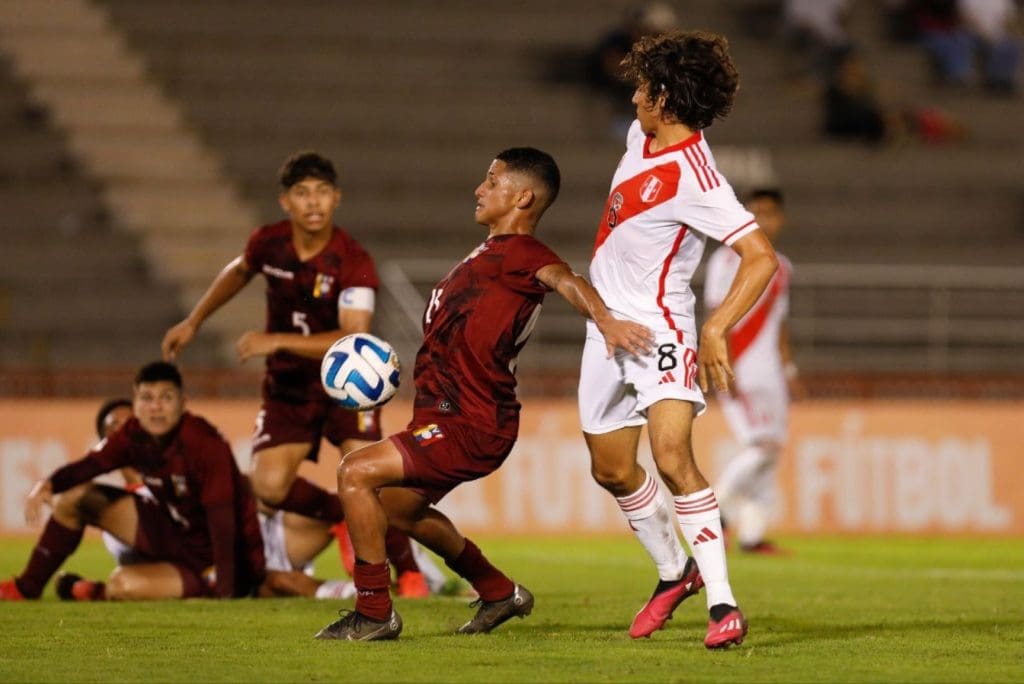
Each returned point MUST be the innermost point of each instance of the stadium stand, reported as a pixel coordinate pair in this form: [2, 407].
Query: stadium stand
[74, 289]
[413, 99]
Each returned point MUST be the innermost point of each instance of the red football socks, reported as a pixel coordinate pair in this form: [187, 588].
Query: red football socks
[54, 546]
[490, 583]
[373, 584]
[305, 498]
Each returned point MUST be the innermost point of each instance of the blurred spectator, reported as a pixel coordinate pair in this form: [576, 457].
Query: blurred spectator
[604, 74]
[992, 25]
[815, 32]
[945, 39]
[853, 112]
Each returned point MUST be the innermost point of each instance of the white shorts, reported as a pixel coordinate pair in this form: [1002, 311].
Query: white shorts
[275, 548]
[757, 414]
[615, 393]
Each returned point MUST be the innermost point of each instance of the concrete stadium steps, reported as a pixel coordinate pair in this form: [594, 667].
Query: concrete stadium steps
[74, 289]
[412, 99]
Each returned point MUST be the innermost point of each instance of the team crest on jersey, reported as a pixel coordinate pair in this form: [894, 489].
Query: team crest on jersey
[650, 188]
[614, 205]
[180, 485]
[322, 285]
[428, 434]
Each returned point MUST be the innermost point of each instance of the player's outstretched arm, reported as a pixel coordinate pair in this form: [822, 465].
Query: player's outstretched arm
[256, 343]
[226, 285]
[757, 264]
[618, 334]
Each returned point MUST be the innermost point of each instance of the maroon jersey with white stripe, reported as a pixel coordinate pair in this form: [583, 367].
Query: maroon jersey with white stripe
[194, 478]
[478, 319]
[302, 297]
[661, 209]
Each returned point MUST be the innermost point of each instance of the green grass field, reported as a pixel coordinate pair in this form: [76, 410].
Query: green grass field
[855, 609]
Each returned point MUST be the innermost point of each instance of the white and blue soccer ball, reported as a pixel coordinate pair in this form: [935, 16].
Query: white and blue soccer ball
[360, 371]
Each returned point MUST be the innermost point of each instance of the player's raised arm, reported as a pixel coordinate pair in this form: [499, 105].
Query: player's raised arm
[225, 285]
[757, 264]
[618, 334]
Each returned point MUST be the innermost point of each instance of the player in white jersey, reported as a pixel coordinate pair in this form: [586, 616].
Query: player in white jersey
[757, 405]
[666, 199]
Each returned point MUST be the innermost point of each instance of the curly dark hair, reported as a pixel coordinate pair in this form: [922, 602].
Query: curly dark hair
[691, 68]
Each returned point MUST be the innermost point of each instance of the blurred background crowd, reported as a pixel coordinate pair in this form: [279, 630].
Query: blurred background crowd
[141, 140]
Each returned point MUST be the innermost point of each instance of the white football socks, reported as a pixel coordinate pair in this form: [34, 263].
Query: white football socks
[651, 521]
[702, 527]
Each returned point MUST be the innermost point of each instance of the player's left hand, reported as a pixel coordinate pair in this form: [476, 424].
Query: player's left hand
[42, 493]
[254, 343]
[713, 360]
[628, 336]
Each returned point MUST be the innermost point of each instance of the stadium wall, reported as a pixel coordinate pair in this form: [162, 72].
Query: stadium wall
[852, 466]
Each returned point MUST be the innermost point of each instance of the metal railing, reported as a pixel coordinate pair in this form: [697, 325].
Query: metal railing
[860, 317]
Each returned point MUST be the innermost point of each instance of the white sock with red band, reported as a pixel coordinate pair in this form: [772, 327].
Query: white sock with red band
[651, 521]
[702, 526]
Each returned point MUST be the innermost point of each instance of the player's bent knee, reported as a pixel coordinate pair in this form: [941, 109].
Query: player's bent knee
[270, 487]
[614, 478]
[353, 474]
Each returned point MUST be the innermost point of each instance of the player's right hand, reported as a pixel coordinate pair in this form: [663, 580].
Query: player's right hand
[176, 338]
[628, 336]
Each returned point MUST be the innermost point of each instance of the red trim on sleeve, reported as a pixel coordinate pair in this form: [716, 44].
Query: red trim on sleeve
[729, 236]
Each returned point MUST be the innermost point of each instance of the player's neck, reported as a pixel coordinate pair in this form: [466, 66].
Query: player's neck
[669, 134]
[308, 245]
[512, 225]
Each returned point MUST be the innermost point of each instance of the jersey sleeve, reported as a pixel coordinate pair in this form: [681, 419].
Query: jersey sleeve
[360, 271]
[716, 213]
[213, 463]
[255, 251]
[522, 261]
[111, 453]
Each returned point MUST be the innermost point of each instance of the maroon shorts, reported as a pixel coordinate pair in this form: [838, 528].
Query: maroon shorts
[160, 540]
[440, 455]
[284, 422]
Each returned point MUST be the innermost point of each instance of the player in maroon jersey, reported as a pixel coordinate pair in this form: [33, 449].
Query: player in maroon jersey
[321, 285]
[197, 533]
[465, 416]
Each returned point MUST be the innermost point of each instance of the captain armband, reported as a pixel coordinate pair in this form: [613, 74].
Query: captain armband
[361, 298]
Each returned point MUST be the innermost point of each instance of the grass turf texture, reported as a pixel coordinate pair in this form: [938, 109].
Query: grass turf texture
[854, 609]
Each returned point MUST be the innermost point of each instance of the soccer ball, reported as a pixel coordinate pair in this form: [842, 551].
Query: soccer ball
[360, 371]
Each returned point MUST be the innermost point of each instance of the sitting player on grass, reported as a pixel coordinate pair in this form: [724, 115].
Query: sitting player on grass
[198, 535]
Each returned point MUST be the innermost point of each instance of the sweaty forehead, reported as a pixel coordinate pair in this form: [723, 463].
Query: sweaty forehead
[500, 172]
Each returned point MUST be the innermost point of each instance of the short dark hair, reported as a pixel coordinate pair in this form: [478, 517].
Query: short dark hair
[774, 194]
[159, 371]
[692, 69]
[306, 164]
[536, 163]
[106, 408]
